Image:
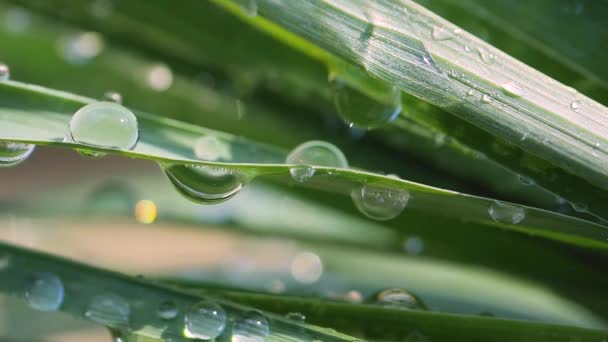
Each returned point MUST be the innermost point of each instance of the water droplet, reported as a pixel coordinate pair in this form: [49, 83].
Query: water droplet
[380, 202]
[506, 213]
[13, 153]
[413, 245]
[17, 20]
[513, 89]
[318, 153]
[109, 309]
[112, 96]
[576, 105]
[205, 320]
[471, 92]
[81, 48]
[525, 180]
[251, 327]
[306, 267]
[44, 292]
[212, 148]
[580, 207]
[486, 98]
[398, 298]
[249, 7]
[159, 77]
[167, 310]
[146, 212]
[203, 184]
[440, 33]
[301, 173]
[296, 317]
[104, 124]
[358, 109]
[5, 72]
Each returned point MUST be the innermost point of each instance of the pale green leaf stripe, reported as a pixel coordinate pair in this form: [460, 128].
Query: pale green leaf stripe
[81, 283]
[393, 40]
[39, 115]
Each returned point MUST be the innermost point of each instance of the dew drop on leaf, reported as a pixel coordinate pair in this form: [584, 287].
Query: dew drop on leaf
[512, 89]
[5, 72]
[486, 98]
[112, 96]
[296, 317]
[13, 153]
[301, 173]
[104, 124]
[251, 327]
[318, 153]
[44, 292]
[167, 310]
[526, 180]
[380, 202]
[109, 309]
[205, 320]
[203, 184]
[506, 213]
[397, 298]
[360, 110]
[575, 105]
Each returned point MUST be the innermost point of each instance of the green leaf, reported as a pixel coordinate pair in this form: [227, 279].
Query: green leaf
[81, 284]
[37, 115]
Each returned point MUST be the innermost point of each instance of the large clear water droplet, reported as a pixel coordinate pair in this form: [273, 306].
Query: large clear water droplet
[167, 310]
[44, 292]
[203, 184]
[205, 320]
[13, 153]
[358, 109]
[398, 298]
[512, 89]
[318, 153]
[212, 148]
[109, 309]
[380, 202]
[301, 173]
[251, 327]
[105, 124]
[5, 72]
[506, 213]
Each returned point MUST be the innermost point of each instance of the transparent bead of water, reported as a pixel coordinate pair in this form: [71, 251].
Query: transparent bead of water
[5, 72]
[296, 317]
[104, 124]
[358, 109]
[575, 105]
[318, 153]
[506, 213]
[109, 309]
[251, 327]
[112, 96]
[486, 98]
[212, 148]
[203, 184]
[205, 320]
[380, 202]
[45, 292]
[512, 89]
[397, 298]
[167, 310]
[13, 153]
[526, 180]
[301, 173]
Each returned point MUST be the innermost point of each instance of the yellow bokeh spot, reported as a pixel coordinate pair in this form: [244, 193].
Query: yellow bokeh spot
[146, 212]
